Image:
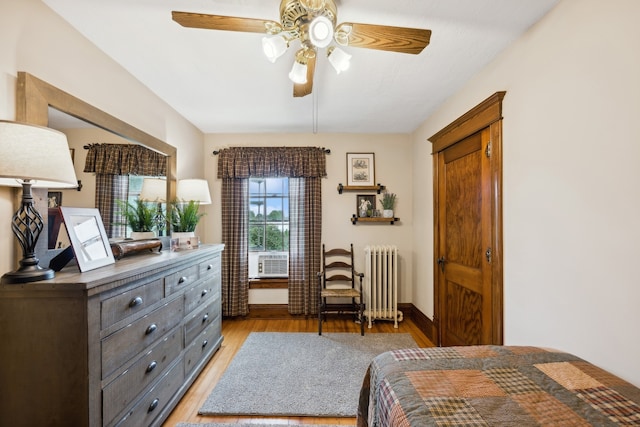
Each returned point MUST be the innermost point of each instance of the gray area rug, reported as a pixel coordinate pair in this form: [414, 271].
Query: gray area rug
[250, 425]
[299, 374]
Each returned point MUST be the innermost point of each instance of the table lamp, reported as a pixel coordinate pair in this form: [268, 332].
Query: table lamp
[155, 190]
[196, 190]
[32, 156]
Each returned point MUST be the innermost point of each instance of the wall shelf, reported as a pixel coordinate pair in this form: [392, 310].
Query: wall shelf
[377, 188]
[378, 220]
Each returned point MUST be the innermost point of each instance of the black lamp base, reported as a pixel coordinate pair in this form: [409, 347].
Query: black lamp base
[27, 274]
[27, 224]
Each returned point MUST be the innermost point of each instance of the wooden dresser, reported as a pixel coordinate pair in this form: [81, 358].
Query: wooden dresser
[119, 345]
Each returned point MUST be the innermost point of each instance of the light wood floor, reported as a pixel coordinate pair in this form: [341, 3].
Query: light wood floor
[235, 332]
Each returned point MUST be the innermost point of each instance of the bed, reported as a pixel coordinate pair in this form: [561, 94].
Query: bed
[494, 386]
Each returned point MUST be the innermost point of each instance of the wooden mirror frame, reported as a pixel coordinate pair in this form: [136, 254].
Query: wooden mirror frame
[33, 99]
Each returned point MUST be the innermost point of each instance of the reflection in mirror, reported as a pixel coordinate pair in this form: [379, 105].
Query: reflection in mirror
[110, 168]
[34, 100]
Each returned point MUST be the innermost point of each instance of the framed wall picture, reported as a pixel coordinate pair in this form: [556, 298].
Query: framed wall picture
[365, 204]
[88, 237]
[54, 199]
[361, 169]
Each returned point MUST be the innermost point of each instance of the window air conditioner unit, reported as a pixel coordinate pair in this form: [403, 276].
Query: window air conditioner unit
[273, 265]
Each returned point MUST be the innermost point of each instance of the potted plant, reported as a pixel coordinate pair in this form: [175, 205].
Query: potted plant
[140, 217]
[184, 217]
[388, 201]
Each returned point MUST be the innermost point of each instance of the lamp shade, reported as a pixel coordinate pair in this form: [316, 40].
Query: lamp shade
[35, 153]
[321, 31]
[194, 189]
[274, 47]
[298, 72]
[154, 190]
[339, 59]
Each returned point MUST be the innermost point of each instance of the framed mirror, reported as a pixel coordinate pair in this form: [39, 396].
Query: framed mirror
[34, 98]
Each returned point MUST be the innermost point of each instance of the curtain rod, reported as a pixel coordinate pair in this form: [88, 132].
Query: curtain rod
[326, 150]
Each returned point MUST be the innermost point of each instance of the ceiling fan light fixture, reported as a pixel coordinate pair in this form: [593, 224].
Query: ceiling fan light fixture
[298, 72]
[339, 59]
[274, 47]
[343, 33]
[312, 5]
[321, 31]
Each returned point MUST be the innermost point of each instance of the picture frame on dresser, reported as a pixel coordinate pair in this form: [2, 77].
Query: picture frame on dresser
[88, 237]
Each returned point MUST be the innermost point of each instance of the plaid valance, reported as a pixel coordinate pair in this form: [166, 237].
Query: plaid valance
[125, 159]
[264, 162]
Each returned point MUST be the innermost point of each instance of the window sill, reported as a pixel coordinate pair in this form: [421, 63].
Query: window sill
[277, 283]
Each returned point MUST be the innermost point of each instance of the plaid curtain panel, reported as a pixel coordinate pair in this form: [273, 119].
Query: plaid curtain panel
[235, 257]
[108, 189]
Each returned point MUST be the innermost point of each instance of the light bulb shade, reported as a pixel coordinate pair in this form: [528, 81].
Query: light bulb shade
[274, 47]
[339, 59]
[35, 153]
[194, 189]
[298, 73]
[321, 31]
[154, 190]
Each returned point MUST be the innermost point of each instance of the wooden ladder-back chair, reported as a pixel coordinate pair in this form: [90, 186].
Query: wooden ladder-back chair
[338, 280]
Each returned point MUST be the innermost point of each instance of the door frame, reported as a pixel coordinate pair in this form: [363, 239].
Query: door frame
[487, 114]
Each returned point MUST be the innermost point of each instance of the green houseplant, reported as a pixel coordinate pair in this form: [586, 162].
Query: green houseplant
[388, 201]
[139, 216]
[185, 216]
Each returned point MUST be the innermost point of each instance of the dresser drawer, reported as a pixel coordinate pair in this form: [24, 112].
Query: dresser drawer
[156, 399]
[210, 268]
[200, 294]
[203, 345]
[125, 388]
[122, 345]
[121, 306]
[181, 279]
[197, 322]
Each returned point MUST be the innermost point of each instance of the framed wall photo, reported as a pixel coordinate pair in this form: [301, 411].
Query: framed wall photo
[361, 169]
[365, 204]
[88, 237]
[54, 199]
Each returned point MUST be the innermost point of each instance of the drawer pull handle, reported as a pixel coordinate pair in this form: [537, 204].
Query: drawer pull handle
[152, 366]
[209, 267]
[136, 302]
[204, 343]
[182, 280]
[205, 318]
[151, 328]
[204, 292]
[153, 405]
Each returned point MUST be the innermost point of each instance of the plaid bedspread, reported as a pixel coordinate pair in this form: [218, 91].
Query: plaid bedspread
[492, 386]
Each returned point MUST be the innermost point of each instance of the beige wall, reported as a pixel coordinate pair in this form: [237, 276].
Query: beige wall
[36, 40]
[571, 174]
[393, 169]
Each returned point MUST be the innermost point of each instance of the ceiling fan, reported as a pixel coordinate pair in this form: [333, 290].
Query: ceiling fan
[313, 23]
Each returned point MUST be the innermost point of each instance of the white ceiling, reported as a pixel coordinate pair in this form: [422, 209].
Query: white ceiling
[222, 82]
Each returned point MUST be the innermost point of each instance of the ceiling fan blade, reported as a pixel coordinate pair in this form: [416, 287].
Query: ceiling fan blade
[382, 37]
[226, 23]
[304, 89]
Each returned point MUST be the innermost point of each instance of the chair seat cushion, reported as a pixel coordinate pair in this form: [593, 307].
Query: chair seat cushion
[349, 293]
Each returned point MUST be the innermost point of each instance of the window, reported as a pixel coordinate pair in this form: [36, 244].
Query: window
[268, 227]
[133, 187]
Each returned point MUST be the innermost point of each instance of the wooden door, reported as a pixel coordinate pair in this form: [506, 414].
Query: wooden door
[468, 245]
